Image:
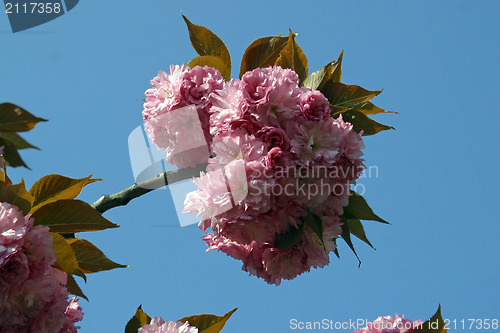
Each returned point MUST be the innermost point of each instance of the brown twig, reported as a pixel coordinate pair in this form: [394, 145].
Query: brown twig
[123, 197]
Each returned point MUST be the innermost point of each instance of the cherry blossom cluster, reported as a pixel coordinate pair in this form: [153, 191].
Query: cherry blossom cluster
[33, 296]
[276, 157]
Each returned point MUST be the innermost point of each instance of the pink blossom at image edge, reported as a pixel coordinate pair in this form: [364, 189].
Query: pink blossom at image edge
[33, 296]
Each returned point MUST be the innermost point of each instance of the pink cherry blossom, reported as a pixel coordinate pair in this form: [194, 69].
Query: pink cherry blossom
[164, 93]
[13, 228]
[14, 271]
[158, 325]
[272, 93]
[212, 198]
[314, 106]
[316, 141]
[274, 155]
[72, 315]
[181, 135]
[177, 112]
[33, 296]
[273, 137]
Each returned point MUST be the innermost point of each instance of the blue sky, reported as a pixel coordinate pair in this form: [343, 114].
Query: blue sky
[437, 173]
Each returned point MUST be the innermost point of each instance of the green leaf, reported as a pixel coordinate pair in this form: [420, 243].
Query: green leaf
[69, 216]
[358, 208]
[435, 324]
[66, 259]
[361, 122]
[331, 72]
[17, 140]
[291, 56]
[13, 194]
[336, 110]
[52, 188]
[74, 288]
[11, 154]
[20, 191]
[3, 174]
[263, 52]
[356, 228]
[315, 223]
[15, 119]
[346, 235]
[214, 62]
[137, 321]
[208, 323]
[336, 251]
[369, 108]
[90, 259]
[345, 95]
[288, 239]
[353, 102]
[206, 43]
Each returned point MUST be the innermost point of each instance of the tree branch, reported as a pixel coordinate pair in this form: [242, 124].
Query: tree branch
[123, 197]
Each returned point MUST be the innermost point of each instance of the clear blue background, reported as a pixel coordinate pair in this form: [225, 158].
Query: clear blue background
[438, 172]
